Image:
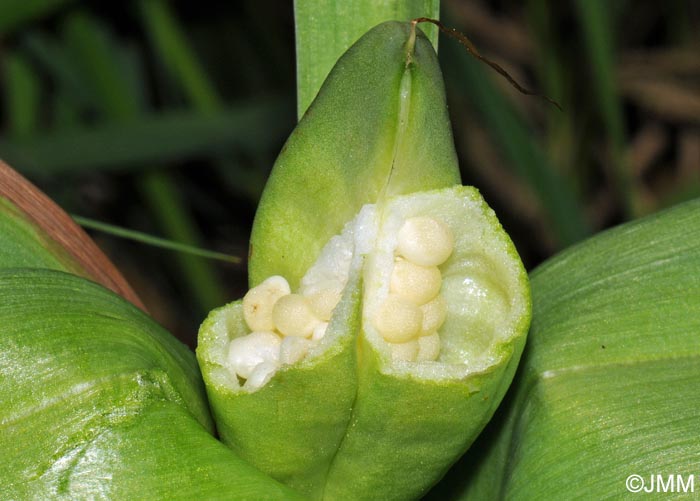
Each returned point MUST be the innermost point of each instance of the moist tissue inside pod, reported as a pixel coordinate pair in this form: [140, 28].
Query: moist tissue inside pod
[481, 283]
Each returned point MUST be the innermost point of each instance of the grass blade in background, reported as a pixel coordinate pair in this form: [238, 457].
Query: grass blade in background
[176, 54]
[21, 95]
[558, 199]
[15, 12]
[172, 48]
[324, 30]
[59, 63]
[118, 101]
[597, 19]
[553, 71]
[163, 137]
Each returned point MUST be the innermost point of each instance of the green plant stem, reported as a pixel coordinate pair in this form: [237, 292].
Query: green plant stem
[324, 30]
[147, 239]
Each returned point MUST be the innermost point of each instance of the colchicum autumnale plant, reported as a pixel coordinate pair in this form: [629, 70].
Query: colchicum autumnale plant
[408, 318]
[366, 357]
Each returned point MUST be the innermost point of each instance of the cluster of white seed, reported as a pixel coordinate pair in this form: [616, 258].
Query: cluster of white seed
[284, 327]
[414, 309]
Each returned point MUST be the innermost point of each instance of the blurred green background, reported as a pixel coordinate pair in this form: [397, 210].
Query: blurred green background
[166, 117]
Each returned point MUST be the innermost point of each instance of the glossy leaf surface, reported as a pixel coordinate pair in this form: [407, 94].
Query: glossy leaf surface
[94, 390]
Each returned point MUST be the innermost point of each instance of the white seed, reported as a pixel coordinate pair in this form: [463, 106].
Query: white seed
[292, 316]
[434, 314]
[293, 349]
[425, 241]
[259, 301]
[319, 331]
[428, 348]
[260, 376]
[324, 299]
[415, 283]
[247, 352]
[398, 320]
[404, 351]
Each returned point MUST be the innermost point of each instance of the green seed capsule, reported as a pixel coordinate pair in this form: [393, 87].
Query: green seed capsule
[403, 377]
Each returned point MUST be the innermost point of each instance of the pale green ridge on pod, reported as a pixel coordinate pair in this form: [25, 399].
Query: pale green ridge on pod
[608, 386]
[24, 245]
[378, 127]
[411, 420]
[98, 402]
[292, 427]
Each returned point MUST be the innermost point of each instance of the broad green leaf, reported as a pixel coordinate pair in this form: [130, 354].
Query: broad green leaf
[98, 401]
[608, 384]
[378, 127]
[325, 29]
[37, 233]
[24, 244]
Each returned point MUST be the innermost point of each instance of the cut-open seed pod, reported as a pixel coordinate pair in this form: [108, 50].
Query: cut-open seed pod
[407, 304]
